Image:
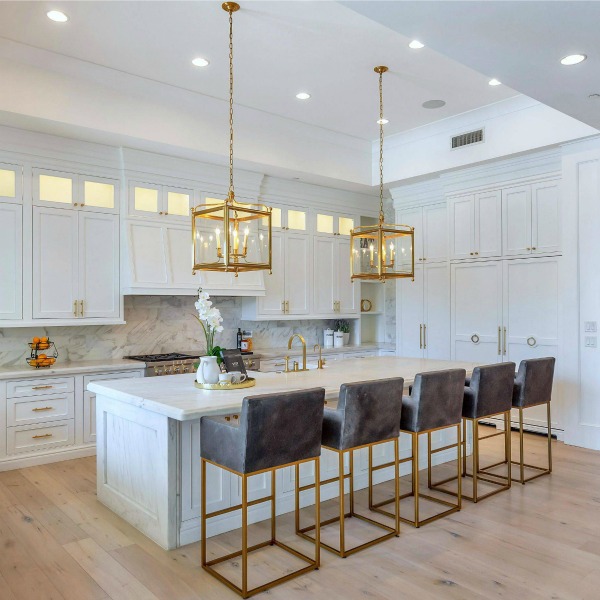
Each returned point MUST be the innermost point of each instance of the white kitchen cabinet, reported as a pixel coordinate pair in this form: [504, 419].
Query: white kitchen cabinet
[75, 264]
[297, 273]
[11, 258]
[424, 313]
[160, 202]
[431, 232]
[273, 302]
[476, 225]
[334, 293]
[10, 183]
[531, 219]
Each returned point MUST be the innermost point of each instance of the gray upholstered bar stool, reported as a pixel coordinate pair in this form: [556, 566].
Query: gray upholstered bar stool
[533, 387]
[367, 414]
[435, 403]
[488, 393]
[273, 431]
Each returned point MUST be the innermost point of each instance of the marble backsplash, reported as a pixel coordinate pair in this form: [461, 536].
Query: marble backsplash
[155, 324]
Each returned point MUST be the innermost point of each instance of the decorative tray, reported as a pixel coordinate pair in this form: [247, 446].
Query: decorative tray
[248, 383]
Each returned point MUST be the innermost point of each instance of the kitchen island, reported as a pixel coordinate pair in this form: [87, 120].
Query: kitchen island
[148, 446]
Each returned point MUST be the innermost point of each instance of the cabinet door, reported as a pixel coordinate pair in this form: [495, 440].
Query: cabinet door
[178, 203]
[11, 261]
[272, 303]
[297, 273]
[516, 220]
[410, 315]
[89, 417]
[179, 258]
[545, 215]
[436, 287]
[54, 188]
[348, 292]
[435, 233]
[462, 227]
[55, 263]
[99, 194]
[147, 256]
[488, 224]
[99, 265]
[414, 218]
[10, 183]
[531, 317]
[476, 311]
[145, 199]
[325, 275]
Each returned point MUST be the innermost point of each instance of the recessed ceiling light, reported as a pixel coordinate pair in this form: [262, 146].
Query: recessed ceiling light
[433, 104]
[200, 62]
[416, 45]
[56, 15]
[573, 59]
[494, 82]
[382, 121]
[302, 96]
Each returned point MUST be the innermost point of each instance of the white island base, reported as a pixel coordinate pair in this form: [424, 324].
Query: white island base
[148, 447]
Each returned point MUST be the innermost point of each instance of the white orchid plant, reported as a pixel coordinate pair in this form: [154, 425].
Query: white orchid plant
[210, 319]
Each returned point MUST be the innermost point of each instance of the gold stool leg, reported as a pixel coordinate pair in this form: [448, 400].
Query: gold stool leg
[521, 447]
[396, 484]
[203, 509]
[318, 511]
[458, 467]
[273, 509]
[508, 447]
[351, 479]
[342, 510]
[244, 536]
[475, 456]
[429, 459]
[464, 443]
[549, 439]
[415, 477]
[297, 494]
[371, 476]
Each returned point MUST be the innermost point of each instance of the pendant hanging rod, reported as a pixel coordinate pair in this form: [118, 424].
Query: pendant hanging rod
[381, 70]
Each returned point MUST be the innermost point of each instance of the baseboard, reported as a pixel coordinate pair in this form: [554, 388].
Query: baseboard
[46, 457]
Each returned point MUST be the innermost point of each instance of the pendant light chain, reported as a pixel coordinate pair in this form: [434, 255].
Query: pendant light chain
[381, 216]
[231, 189]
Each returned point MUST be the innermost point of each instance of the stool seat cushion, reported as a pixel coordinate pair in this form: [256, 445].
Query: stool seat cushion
[533, 382]
[489, 391]
[435, 401]
[273, 430]
[367, 412]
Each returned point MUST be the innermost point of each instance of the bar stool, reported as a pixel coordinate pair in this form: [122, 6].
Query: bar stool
[533, 387]
[434, 403]
[367, 414]
[272, 432]
[488, 393]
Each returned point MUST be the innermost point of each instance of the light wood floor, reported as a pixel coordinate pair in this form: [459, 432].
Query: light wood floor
[541, 540]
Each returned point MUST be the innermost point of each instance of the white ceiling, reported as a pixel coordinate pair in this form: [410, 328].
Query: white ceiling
[520, 43]
[281, 48]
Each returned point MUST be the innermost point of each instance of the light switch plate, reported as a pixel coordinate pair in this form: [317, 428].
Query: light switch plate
[590, 326]
[591, 341]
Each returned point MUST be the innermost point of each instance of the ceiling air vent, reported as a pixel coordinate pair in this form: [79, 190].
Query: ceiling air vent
[464, 139]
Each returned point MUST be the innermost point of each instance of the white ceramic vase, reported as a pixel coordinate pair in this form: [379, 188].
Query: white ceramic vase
[208, 370]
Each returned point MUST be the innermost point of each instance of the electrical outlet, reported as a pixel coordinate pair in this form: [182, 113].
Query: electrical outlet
[591, 341]
[590, 326]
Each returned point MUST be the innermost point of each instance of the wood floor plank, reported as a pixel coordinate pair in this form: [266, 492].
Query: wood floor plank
[115, 579]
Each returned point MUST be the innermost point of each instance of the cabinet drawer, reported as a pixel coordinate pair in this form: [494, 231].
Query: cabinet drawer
[39, 409]
[359, 355]
[33, 438]
[36, 387]
[106, 376]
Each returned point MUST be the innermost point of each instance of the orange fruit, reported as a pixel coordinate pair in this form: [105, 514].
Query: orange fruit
[36, 340]
[42, 356]
[44, 340]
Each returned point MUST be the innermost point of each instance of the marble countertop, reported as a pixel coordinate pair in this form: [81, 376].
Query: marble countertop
[269, 353]
[23, 370]
[176, 397]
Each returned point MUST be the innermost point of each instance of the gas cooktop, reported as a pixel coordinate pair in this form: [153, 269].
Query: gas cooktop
[149, 358]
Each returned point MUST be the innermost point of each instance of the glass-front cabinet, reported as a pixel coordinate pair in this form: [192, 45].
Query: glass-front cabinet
[160, 201]
[327, 223]
[10, 183]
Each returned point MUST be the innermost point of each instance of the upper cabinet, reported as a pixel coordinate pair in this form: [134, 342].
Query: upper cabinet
[476, 225]
[72, 191]
[431, 233]
[10, 183]
[531, 219]
[11, 261]
[160, 201]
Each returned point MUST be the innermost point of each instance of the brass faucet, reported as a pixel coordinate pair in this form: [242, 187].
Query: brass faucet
[321, 362]
[303, 351]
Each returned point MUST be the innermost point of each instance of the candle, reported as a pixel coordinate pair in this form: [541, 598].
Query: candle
[371, 249]
[236, 241]
[218, 233]
[246, 232]
[391, 251]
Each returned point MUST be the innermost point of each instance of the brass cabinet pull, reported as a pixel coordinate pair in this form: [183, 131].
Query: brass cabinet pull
[533, 248]
[287, 306]
[74, 308]
[74, 203]
[42, 387]
[39, 437]
[424, 336]
[531, 341]
[421, 336]
[283, 306]
[499, 342]
[505, 341]
[42, 408]
[166, 213]
[81, 306]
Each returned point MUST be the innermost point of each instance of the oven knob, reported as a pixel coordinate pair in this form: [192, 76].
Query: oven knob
[159, 370]
[155, 370]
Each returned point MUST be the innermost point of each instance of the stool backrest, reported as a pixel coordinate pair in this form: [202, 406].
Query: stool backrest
[493, 387]
[533, 383]
[437, 397]
[371, 411]
[282, 428]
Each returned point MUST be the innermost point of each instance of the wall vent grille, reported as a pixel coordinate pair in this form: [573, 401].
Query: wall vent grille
[464, 139]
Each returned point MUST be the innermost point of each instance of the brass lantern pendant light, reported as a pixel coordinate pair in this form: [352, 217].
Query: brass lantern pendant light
[382, 251]
[231, 236]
